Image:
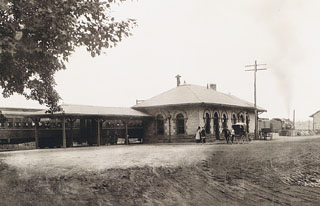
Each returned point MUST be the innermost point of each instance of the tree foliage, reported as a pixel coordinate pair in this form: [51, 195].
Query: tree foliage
[38, 36]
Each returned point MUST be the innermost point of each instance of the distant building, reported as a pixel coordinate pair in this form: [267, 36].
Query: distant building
[303, 125]
[316, 120]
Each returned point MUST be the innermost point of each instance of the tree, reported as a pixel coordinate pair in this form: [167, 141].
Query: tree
[38, 36]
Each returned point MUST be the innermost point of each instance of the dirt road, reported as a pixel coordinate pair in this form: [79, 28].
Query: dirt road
[280, 172]
[56, 162]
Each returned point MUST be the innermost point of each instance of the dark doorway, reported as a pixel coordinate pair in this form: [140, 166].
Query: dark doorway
[247, 122]
[224, 121]
[216, 125]
[88, 131]
[207, 123]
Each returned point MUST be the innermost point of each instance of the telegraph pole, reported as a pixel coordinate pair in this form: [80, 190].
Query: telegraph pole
[255, 94]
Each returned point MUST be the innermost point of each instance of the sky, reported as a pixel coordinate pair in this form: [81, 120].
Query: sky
[205, 41]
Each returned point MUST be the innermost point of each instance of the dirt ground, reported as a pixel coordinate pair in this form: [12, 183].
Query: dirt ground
[284, 171]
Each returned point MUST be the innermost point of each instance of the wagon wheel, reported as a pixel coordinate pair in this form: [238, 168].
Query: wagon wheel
[242, 139]
[247, 139]
[238, 139]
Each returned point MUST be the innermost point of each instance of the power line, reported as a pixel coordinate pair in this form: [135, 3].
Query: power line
[255, 65]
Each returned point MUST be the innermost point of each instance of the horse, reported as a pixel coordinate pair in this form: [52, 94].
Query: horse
[227, 134]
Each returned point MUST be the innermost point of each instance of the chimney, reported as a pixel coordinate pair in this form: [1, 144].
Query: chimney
[213, 86]
[178, 80]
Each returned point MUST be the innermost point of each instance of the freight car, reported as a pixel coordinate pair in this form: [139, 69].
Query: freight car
[284, 127]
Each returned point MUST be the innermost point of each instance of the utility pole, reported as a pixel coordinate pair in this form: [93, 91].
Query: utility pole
[255, 94]
[294, 119]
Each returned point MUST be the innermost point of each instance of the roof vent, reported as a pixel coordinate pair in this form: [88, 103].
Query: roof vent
[213, 86]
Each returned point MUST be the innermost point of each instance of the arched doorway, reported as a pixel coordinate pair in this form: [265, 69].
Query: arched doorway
[216, 125]
[224, 121]
[160, 125]
[207, 123]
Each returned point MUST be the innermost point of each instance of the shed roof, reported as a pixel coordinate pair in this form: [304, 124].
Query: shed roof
[85, 110]
[194, 94]
[15, 112]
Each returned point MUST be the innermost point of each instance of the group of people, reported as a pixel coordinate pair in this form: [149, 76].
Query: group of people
[201, 135]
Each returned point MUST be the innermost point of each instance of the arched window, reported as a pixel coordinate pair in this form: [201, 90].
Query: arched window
[180, 124]
[241, 118]
[160, 125]
[234, 119]
[207, 123]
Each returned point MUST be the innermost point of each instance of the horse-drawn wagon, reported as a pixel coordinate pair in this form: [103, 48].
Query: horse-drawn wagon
[240, 133]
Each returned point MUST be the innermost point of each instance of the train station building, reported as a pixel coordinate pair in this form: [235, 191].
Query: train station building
[177, 113]
[172, 116]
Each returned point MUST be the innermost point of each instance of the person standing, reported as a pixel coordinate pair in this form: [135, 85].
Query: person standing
[232, 135]
[203, 135]
[198, 133]
[227, 134]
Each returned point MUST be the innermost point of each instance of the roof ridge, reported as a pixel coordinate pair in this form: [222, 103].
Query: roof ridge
[157, 95]
[195, 94]
[227, 95]
[233, 96]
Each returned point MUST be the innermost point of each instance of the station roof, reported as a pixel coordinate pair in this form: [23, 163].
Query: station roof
[188, 94]
[92, 111]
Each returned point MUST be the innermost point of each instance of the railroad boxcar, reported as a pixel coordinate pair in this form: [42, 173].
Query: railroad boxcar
[284, 127]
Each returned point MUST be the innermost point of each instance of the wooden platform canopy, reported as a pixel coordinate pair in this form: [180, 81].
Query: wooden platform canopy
[95, 113]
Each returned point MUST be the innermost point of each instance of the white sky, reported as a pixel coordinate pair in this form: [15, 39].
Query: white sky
[205, 41]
